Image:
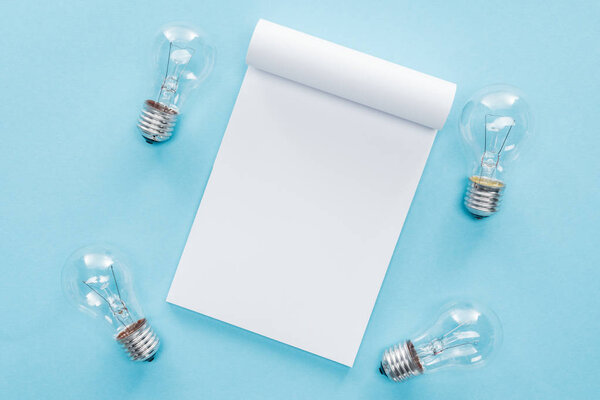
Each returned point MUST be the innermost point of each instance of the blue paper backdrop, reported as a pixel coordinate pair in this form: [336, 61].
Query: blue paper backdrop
[75, 171]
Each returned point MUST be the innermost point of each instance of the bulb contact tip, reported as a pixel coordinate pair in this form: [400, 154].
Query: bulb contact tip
[157, 122]
[483, 196]
[139, 341]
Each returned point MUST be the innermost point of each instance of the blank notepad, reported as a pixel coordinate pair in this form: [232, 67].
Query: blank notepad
[310, 189]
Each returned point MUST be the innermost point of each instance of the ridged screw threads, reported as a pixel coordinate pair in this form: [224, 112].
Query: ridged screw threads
[157, 122]
[401, 362]
[483, 196]
[139, 341]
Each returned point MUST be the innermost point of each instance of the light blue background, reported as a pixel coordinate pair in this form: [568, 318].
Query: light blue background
[75, 171]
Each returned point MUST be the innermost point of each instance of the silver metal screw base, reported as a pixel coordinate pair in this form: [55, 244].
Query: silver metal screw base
[483, 196]
[157, 122]
[139, 341]
[401, 362]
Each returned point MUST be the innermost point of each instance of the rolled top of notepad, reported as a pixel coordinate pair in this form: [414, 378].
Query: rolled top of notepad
[350, 74]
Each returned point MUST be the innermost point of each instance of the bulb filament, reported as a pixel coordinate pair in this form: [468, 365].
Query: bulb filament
[168, 90]
[429, 351]
[117, 306]
[491, 158]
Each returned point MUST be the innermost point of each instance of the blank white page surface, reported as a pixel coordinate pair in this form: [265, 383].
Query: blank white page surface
[300, 216]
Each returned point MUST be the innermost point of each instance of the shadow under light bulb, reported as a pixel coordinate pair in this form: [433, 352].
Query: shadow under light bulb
[184, 60]
[493, 124]
[98, 283]
[464, 335]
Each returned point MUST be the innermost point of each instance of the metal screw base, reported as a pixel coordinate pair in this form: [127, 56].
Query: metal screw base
[483, 196]
[401, 362]
[139, 341]
[157, 122]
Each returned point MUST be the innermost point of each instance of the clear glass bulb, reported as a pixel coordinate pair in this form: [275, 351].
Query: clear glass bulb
[97, 282]
[184, 59]
[464, 335]
[494, 125]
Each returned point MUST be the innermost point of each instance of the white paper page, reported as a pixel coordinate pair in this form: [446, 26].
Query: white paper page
[300, 216]
[350, 74]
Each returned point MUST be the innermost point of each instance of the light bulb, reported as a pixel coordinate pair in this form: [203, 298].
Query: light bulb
[184, 59]
[494, 124]
[97, 282]
[464, 335]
